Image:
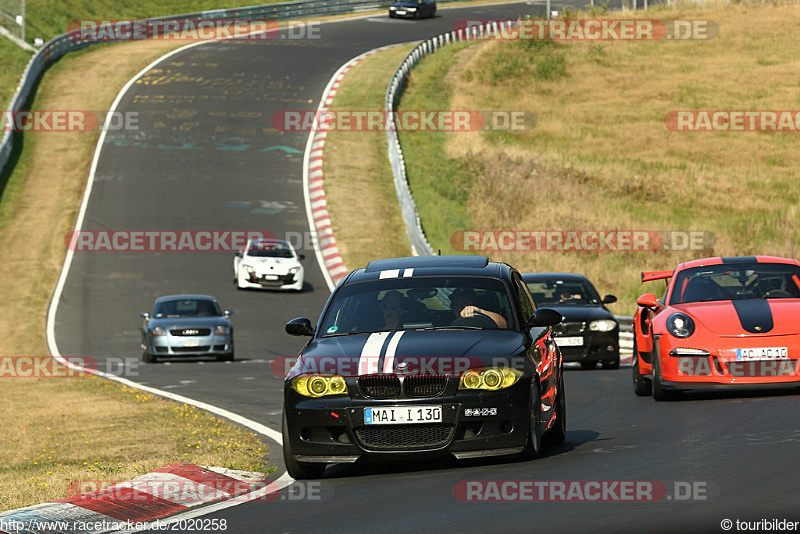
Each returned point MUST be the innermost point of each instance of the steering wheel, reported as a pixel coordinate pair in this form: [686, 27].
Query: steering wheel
[478, 319]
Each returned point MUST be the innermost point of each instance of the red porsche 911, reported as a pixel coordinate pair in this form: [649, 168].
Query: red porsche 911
[722, 322]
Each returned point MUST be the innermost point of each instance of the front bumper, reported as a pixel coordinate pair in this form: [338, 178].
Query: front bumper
[596, 346]
[259, 280]
[721, 368]
[403, 13]
[474, 424]
[183, 346]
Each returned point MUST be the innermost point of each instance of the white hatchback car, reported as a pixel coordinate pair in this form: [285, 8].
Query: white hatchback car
[268, 264]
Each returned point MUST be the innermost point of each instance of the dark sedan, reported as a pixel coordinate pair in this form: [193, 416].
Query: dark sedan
[589, 333]
[414, 9]
[187, 325]
[424, 356]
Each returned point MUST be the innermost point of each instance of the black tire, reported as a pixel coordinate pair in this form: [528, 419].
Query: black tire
[642, 386]
[226, 357]
[611, 364]
[534, 443]
[298, 470]
[659, 392]
[148, 358]
[588, 366]
[558, 433]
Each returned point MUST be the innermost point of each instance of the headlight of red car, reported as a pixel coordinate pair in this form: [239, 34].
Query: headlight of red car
[680, 325]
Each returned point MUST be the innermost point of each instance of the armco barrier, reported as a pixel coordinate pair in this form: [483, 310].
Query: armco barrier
[416, 235]
[62, 44]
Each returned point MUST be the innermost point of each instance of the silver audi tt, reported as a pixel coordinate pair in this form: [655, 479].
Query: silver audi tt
[187, 325]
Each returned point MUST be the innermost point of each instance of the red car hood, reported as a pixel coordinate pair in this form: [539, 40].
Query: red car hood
[773, 317]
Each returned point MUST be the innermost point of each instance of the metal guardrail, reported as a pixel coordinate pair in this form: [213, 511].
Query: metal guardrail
[62, 44]
[416, 235]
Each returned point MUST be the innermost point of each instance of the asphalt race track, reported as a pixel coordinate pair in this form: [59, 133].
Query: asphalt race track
[206, 159]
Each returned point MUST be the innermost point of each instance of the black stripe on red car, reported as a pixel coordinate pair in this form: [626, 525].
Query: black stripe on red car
[754, 314]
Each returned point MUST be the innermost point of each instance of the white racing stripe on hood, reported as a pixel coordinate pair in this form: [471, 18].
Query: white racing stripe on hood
[371, 353]
[388, 361]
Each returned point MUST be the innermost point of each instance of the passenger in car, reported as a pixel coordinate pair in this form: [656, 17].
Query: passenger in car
[392, 308]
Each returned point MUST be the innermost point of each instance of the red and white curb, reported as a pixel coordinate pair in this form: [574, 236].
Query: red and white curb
[166, 491]
[330, 259]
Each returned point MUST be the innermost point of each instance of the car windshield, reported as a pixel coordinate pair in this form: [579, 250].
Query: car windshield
[559, 292]
[270, 249]
[429, 303]
[736, 282]
[187, 308]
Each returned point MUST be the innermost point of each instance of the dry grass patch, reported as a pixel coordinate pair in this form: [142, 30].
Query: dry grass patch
[359, 185]
[88, 429]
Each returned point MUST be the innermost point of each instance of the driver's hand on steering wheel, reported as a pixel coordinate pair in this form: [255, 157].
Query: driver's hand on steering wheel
[469, 311]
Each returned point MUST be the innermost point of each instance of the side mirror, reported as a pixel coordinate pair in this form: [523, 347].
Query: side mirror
[144, 315]
[545, 317]
[227, 313]
[299, 327]
[301, 256]
[648, 300]
[609, 299]
[238, 254]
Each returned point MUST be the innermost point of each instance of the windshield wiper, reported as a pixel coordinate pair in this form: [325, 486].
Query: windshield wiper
[337, 334]
[454, 327]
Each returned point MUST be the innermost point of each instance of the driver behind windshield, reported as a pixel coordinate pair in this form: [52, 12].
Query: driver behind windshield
[462, 303]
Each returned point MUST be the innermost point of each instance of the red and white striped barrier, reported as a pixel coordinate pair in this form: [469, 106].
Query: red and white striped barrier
[161, 493]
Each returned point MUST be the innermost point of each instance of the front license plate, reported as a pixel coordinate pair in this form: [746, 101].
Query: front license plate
[569, 341]
[762, 353]
[191, 343]
[399, 415]
[400, 12]
[270, 277]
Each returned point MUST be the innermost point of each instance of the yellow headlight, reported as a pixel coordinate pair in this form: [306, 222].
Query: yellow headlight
[316, 386]
[491, 378]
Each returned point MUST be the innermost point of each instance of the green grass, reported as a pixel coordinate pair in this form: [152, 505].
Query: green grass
[14, 60]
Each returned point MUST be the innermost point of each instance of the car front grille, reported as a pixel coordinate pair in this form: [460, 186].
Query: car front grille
[183, 332]
[568, 329]
[405, 437]
[424, 386]
[201, 348]
[379, 386]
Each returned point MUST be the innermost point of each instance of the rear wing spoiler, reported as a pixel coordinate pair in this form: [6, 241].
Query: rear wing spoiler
[649, 276]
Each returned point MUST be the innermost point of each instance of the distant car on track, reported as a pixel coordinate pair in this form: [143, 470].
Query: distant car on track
[589, 333]
[414, 9]
[187, 325]
[723, 322]
[424, 356]
[268, 264]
